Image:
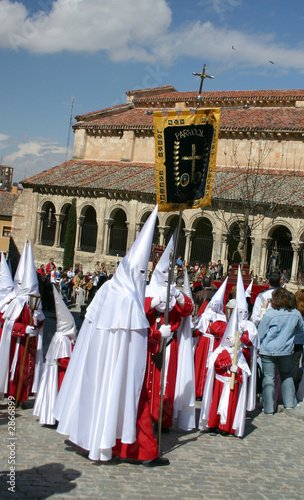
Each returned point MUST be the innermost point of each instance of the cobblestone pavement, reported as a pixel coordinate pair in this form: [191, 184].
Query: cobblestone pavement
[265, 464]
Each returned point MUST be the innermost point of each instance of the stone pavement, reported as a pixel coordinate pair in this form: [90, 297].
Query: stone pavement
[266, 464]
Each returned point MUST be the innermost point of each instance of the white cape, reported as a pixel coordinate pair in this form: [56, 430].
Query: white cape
[184, 397]
[60, 347]
[98, 400]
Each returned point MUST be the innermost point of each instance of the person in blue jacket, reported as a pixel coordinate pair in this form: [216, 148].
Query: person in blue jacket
[279, 330]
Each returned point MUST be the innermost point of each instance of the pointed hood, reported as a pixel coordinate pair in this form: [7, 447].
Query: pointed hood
[186, 287]
[29, 284]
[228, 339]
[217, 301]
[121, 299]
[64, 319]
[6, 280]
[249, 290]
[7, 291]
[241, 297]
[21, 267]
[159, 279]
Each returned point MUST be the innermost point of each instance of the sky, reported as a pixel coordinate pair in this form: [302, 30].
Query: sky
[62, 58]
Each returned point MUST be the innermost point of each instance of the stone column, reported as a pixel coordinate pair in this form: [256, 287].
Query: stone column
[80, 222]
[188, 246]
[130, 239]
[214, 258]
[265, 245]
[296, 246]
[41, 217]
[59, 219]
[224, 252]
[162, 233]
[138, 226]
[108, 225]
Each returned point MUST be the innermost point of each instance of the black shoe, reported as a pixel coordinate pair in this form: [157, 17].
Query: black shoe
[157, 462]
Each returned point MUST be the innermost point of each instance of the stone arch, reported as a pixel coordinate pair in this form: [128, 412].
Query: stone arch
[202, 241]
[48, 223]
[156, 234]
[301, 257]
[172, 223]
[89, 229]
[64, 214]
[280, 252]
[118, 232]
[235, 248]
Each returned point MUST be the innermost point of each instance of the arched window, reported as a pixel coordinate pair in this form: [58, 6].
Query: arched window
[156, 230]
[48, 224]
[118, 234]
[182, 238]
[280, 253]
[89, 230]
[65, 210]
[202, 243]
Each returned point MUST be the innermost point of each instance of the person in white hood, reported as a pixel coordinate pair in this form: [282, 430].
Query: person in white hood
[56, 362]
[18, 314]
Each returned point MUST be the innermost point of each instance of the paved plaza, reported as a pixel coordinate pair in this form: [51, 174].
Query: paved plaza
[266, 464]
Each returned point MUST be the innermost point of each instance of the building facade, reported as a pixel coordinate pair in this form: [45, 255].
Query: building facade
[257, 190]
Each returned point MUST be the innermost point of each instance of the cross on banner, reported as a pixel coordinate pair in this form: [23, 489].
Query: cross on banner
[193, 157]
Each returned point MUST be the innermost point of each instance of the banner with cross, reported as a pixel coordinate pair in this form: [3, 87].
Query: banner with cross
[185, 157]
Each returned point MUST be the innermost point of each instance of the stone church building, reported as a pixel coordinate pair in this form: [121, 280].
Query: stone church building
[258, 184]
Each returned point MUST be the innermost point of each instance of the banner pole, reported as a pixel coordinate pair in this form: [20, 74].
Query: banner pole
[162, 348]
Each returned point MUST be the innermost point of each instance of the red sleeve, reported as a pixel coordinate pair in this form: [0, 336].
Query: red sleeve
[245, 339]
[19, 330]
[218, 328]
[48, 268]
[223, 360]
[150, 313]
[186, 309]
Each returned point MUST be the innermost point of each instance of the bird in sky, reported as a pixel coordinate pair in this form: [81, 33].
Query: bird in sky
[271, 62]
[233, 47]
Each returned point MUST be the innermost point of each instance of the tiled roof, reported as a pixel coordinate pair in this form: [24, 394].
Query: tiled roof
[275, 187]
[227, 95]
[152, 90]
[98, 175]
[7, 201]
[291, 119]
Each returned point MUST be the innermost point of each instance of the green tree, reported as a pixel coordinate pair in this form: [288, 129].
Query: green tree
[70, 235]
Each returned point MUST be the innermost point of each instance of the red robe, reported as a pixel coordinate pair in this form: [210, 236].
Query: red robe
[222, 364]
[145, 447]
[29, 366]
[217, 329]
[62, 366]
[154, 374]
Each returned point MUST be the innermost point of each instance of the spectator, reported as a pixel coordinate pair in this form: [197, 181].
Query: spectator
[274, 282]
[219, 269]
[284, 276]
[41, 270]
[50, 267]
[64, 287]
[102, 276]
[277, 331]
[297, 357]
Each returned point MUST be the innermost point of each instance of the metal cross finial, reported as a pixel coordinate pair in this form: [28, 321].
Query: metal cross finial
[202, 76]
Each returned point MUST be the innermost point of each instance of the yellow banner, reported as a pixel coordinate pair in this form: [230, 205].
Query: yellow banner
[185, 157]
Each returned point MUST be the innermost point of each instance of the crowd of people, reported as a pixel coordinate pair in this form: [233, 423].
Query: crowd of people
[146, 353]
[74, 286]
